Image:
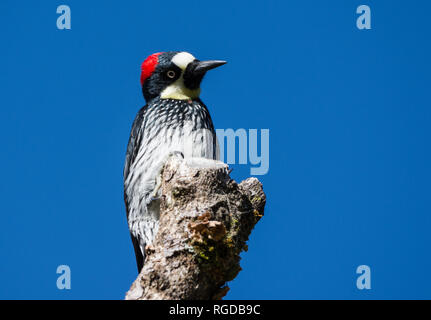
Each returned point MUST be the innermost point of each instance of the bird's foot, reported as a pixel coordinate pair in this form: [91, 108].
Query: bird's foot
[177, 154]
[155, 194]
[155, 198]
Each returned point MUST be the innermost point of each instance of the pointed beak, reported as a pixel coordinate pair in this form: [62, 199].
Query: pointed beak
[204, 66]
[196, 70]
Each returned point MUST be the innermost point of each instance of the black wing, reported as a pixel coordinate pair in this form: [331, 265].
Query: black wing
[132, 150]
[134, 141]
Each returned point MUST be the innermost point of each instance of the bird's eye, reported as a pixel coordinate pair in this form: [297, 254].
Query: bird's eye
[171, 74]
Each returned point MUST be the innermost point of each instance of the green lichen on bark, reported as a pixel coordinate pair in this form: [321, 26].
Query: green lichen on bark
[218, 239]
[205, 221]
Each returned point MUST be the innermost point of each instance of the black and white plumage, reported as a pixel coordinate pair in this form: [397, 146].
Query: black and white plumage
[175, 122]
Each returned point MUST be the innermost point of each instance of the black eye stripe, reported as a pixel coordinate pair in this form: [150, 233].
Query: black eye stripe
[165, 72]
[159, 80]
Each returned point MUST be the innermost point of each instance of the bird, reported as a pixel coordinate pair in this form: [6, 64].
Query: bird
[173, 123]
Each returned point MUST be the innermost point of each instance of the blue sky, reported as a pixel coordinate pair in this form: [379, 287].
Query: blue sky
[348, 113]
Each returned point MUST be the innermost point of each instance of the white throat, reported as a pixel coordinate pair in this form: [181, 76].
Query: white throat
[178, 90]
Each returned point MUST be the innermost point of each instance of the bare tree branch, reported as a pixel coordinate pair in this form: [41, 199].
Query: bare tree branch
[205, 221]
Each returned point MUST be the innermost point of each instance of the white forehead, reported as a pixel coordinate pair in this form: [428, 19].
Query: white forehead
[182, 59]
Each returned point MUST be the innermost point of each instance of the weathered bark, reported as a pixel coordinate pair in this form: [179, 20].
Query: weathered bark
[205, 221]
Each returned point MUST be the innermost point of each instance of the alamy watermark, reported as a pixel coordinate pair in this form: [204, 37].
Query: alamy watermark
[364, 280]
[248, 152]
[231, 146]
[364, 20]
[64, 21]
[64, 281]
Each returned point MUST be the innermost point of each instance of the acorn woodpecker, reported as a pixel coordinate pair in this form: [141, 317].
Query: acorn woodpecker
[174, 122]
